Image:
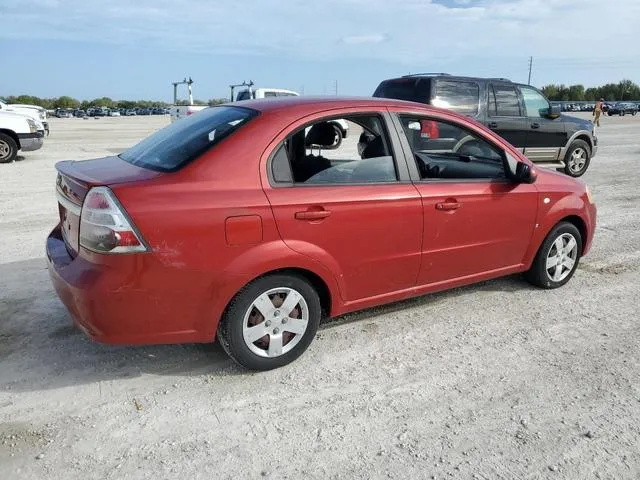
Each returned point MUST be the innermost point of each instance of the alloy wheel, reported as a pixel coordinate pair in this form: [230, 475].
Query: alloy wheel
[578, 160]
[275, 322]
[561, 257]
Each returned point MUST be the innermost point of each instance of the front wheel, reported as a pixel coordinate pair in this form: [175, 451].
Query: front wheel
[8, 148]
[270, 322]
[558, 257]
[577, 158]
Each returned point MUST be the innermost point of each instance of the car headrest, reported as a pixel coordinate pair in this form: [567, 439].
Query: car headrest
[321, 135]
[375, 148]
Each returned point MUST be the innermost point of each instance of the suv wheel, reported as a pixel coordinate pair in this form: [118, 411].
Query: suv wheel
[577, 158]
[8, 148]
[558, 257]
[270, 322]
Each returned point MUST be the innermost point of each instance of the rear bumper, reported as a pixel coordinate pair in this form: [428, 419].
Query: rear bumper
[116, 301]
[31, 141]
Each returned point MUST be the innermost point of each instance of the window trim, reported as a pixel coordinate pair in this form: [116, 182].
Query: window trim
[414, 171]
[490, 90]
[392, 145]
[434, 88]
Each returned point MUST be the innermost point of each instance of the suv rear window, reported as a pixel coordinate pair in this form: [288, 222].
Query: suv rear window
[410, 89]
[461, 97]
[186, 139]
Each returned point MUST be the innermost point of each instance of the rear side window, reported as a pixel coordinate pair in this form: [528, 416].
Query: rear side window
[504, 101]
[410, 89]
[186, 139]
[461, 97]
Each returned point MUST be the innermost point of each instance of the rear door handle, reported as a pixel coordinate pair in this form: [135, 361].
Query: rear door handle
[493, 125]
[448, 206]
[535, 125]
[312, 215]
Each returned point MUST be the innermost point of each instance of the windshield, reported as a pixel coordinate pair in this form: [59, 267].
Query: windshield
[186, 139]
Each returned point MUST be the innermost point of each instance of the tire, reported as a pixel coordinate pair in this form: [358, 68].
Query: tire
[622, 114]
[543, 277]
[242, 314]
[8, 148]
[577, 158]
[338, 138]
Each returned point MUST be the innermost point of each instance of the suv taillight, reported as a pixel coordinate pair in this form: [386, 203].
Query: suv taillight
[105, 226]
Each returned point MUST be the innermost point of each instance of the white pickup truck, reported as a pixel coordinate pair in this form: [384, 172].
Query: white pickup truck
[35, 112]
[18, 132]
[181, 111]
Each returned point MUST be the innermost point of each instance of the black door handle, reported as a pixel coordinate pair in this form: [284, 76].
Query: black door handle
[493, 125]
[535, 125]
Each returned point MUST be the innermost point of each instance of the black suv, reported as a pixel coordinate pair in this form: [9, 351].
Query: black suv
[521, 114]
[622, 109]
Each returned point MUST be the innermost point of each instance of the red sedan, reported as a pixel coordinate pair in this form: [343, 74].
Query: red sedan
[250, 222]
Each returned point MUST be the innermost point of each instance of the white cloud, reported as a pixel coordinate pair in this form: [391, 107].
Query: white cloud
[360, 39]
[415, 31]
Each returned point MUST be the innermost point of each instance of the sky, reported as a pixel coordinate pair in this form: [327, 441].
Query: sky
[134, 49]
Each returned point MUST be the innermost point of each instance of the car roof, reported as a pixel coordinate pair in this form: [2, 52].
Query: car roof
[329, 102]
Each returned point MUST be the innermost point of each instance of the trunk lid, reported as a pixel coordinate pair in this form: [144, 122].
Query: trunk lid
[76, 178]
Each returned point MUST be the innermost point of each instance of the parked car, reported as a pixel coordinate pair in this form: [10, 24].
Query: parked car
[622, 109]
[18, 132]
[521, 114]
[38, 114]
[295, 232]
[130, 112]
[63, 113]
[78, 113]
[114, 113]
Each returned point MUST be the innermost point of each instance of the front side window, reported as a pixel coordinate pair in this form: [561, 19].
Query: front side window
[182, 141]
[461, 97]
[504, 101]
[534, 102]
[446, 151]
[319, 155]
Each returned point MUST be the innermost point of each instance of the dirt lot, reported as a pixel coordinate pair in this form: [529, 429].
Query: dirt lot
[494, 381]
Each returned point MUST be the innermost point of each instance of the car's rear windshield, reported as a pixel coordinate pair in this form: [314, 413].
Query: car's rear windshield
[176, 145]
[411, 89]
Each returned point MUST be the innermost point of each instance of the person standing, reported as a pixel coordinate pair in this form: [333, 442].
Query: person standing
[597, 111]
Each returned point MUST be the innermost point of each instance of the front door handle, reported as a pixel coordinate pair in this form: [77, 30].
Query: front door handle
[448, 205]
[493, 125]
[312, 215]
[535, 125]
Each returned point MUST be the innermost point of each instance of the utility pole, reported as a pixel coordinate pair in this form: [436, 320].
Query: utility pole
[335, 87]
[530, 67]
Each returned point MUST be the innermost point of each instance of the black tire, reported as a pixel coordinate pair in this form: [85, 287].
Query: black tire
[8, 148]
[572, 168]
[538, 274]
[338, 137]
[230, 331]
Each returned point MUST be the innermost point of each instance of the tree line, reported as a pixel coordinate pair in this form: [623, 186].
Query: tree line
[70, 102]
[623, 90]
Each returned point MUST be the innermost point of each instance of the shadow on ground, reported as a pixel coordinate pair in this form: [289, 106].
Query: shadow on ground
[41, 349]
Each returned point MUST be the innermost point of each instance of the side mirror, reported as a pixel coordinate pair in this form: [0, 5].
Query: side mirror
[554, 111]
[519, 172]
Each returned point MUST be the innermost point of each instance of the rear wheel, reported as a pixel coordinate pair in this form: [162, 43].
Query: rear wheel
[8, 148]
[558, 257]
[270, 322]
[577, 158]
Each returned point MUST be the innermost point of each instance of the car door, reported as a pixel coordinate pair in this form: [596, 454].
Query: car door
[359, 215]
[545, 136]
[475, 221]
[505, 113]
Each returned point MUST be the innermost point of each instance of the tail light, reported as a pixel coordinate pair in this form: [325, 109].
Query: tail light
[105, 226]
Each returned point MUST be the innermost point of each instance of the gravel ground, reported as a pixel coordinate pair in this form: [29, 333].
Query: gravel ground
[493, 381]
